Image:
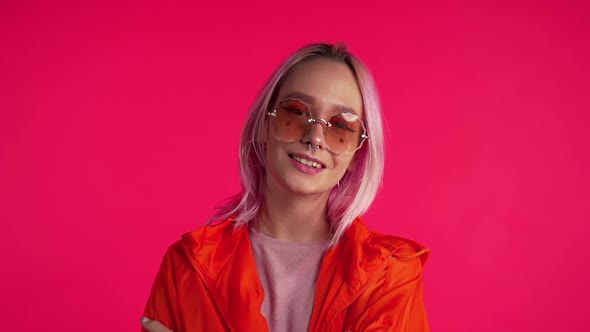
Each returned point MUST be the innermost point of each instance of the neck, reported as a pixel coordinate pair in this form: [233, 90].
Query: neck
[297, 218]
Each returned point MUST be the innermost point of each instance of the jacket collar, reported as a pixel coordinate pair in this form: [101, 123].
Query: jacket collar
[213, 246]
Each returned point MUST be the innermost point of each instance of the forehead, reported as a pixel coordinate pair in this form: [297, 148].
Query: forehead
[323, 83]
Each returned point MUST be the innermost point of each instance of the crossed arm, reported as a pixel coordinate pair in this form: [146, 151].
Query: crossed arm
[153, 325]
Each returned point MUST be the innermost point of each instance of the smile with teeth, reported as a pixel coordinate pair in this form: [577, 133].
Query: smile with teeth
[308, 162]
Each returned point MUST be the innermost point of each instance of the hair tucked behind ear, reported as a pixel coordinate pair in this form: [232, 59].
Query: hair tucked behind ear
[357, 188]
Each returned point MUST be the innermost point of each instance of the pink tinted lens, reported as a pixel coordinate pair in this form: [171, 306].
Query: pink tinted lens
[344, 133]
[290, 124]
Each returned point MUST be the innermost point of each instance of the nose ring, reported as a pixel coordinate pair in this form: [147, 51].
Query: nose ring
[309, 147]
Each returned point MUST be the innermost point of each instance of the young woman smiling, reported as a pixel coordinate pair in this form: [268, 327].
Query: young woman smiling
[290, 253]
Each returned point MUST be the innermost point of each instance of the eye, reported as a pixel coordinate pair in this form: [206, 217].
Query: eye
[344, 121]
[342, 125]
[296, 111]
[294, 107]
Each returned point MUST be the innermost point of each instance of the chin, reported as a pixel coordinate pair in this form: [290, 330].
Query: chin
[307, 187]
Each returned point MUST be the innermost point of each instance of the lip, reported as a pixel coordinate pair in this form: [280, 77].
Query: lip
[304, 168]
[310, 158]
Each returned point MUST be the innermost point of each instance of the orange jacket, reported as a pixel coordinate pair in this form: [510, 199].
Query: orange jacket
[367, 282]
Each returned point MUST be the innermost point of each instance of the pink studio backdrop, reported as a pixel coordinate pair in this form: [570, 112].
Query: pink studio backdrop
[119, 129]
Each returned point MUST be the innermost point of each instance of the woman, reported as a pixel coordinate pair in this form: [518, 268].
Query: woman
[289, 253]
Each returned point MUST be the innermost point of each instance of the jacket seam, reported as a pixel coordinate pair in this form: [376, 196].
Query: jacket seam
[414, 255]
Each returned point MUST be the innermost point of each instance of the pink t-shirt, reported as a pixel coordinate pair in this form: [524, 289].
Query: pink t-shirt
[288, 272]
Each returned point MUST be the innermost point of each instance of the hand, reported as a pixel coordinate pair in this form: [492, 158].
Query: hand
[153, 325]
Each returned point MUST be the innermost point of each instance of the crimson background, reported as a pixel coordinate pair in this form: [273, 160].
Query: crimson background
[119, 129]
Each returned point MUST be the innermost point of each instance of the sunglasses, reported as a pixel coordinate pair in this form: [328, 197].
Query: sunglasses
[344, 133]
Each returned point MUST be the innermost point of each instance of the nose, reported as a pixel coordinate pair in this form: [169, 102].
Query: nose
[315, 135]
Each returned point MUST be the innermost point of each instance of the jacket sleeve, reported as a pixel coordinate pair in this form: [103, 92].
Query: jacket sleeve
[162, 304]
[396, 303]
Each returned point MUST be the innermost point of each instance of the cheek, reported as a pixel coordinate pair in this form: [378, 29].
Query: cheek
[275, 154]
[273, 147]
[343, 162]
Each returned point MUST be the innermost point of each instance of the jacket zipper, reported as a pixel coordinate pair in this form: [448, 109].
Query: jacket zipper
[209, 289]
[360, 291]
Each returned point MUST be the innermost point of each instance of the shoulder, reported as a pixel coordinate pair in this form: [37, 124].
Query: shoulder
[390, 246]
[405, 260]
[400, 248]
[394, 298]
[199, 242]
[174, 257]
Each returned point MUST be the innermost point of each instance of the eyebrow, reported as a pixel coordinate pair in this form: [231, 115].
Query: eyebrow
[311, 100]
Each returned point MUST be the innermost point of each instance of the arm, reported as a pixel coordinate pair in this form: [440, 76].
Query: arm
[162, 304]
[395, 303]
[153, 325]
[400, 303]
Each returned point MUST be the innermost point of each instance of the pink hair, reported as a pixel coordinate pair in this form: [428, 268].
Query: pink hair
[357, 188]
